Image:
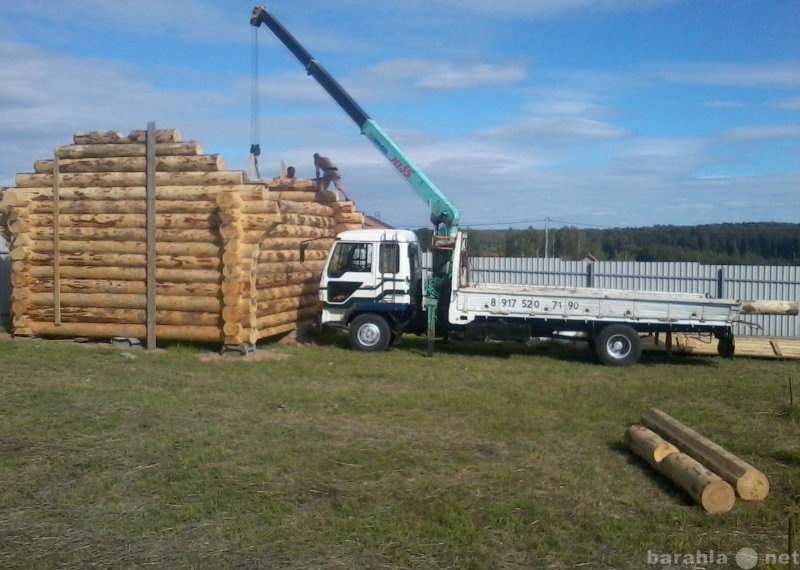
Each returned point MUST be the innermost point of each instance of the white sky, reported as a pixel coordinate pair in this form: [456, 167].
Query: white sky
[611, 113]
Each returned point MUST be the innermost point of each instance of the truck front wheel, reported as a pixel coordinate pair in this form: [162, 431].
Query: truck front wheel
[369, 333]
[618, 345]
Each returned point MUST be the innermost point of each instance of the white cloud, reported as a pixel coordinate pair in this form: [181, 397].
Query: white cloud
[763, 132]
[442, 75]
[546, 131]
[791, 104]
[785, 74]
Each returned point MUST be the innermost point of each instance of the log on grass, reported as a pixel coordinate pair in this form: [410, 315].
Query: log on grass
[707, 488]
[769, 307]
[750, 483]
[648, 445]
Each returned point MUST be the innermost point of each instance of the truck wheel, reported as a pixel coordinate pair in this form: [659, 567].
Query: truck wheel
[369, 333]
[618, 345]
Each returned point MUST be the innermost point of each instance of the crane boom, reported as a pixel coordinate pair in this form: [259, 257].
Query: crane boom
[443, 213]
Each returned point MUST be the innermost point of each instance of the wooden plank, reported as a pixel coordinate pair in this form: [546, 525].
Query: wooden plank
[56, 245]
[150, 226]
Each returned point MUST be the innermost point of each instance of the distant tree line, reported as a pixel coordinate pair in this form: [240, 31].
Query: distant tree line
[730, 244]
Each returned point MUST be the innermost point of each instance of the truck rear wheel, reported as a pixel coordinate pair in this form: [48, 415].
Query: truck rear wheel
[618, 345]
[369, 333]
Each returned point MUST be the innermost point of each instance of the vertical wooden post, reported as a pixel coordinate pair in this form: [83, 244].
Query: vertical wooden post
[56, 244]
[150, 224]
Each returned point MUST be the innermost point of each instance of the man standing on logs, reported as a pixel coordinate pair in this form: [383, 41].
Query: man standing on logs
[330, 173]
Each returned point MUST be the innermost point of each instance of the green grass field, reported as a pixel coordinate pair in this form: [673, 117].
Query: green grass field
[484, 456]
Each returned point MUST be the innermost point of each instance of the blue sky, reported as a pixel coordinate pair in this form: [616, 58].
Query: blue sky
[609, 113]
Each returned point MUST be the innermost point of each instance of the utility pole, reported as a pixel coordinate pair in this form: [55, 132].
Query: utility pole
[546, 237]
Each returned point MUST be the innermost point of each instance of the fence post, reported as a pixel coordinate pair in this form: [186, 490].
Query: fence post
[721, 283]
[590, 274]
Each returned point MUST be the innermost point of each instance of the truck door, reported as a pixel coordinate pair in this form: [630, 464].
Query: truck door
[350, 270]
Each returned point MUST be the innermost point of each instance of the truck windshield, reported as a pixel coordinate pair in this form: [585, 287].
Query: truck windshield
[350, 257]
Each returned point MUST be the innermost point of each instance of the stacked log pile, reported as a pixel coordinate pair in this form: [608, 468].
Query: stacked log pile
[228, 262]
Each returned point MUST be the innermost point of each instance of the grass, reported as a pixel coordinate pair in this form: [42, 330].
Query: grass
[484, 456]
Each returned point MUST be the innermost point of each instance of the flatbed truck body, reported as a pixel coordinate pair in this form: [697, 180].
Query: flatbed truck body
[372, 287]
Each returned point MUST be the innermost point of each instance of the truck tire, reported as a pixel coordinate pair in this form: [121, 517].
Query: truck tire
[726, 347]
[369, 333]
[618, 345]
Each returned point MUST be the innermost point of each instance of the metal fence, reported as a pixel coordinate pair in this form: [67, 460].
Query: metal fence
[743, 282]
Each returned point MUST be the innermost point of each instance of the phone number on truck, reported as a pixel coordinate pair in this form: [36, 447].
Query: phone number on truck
[532, 304]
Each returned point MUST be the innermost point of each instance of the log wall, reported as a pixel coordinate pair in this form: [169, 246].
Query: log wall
[228, 265]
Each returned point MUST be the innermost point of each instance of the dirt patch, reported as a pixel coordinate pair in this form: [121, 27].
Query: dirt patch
[257, 356]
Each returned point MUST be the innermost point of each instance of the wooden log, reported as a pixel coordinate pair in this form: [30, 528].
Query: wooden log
[181, 163]
[229, 200]
[175, 221]
[294, 243]
[287, 230]
[163, 192]
[769, 307]
[130, 149]
[196, 249]
[285, 279]
[282, 267]
[306, 220]
[276, 330]
[117, 287]
[288, 292]
[647, 444]
[292, 185]
[86, 179]
[307, 208]
[179, 275]
[123, 316]
[103, 330]
[93, 259]
[99, 137]
[708, 489]
[292, 316]
[750, 483]
[162, 136]
[354, 218]
[129, 301]
[276, 306]
[124, 207]
[291, 255]
[73, 233]
[260, 206]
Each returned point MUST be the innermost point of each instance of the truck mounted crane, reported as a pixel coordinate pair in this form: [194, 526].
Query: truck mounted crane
[372, 283]
[443, 213]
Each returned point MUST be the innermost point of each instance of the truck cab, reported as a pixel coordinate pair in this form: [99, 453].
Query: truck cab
[372, 285]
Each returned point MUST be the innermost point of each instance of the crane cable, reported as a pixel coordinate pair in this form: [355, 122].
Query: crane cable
[255, 147]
